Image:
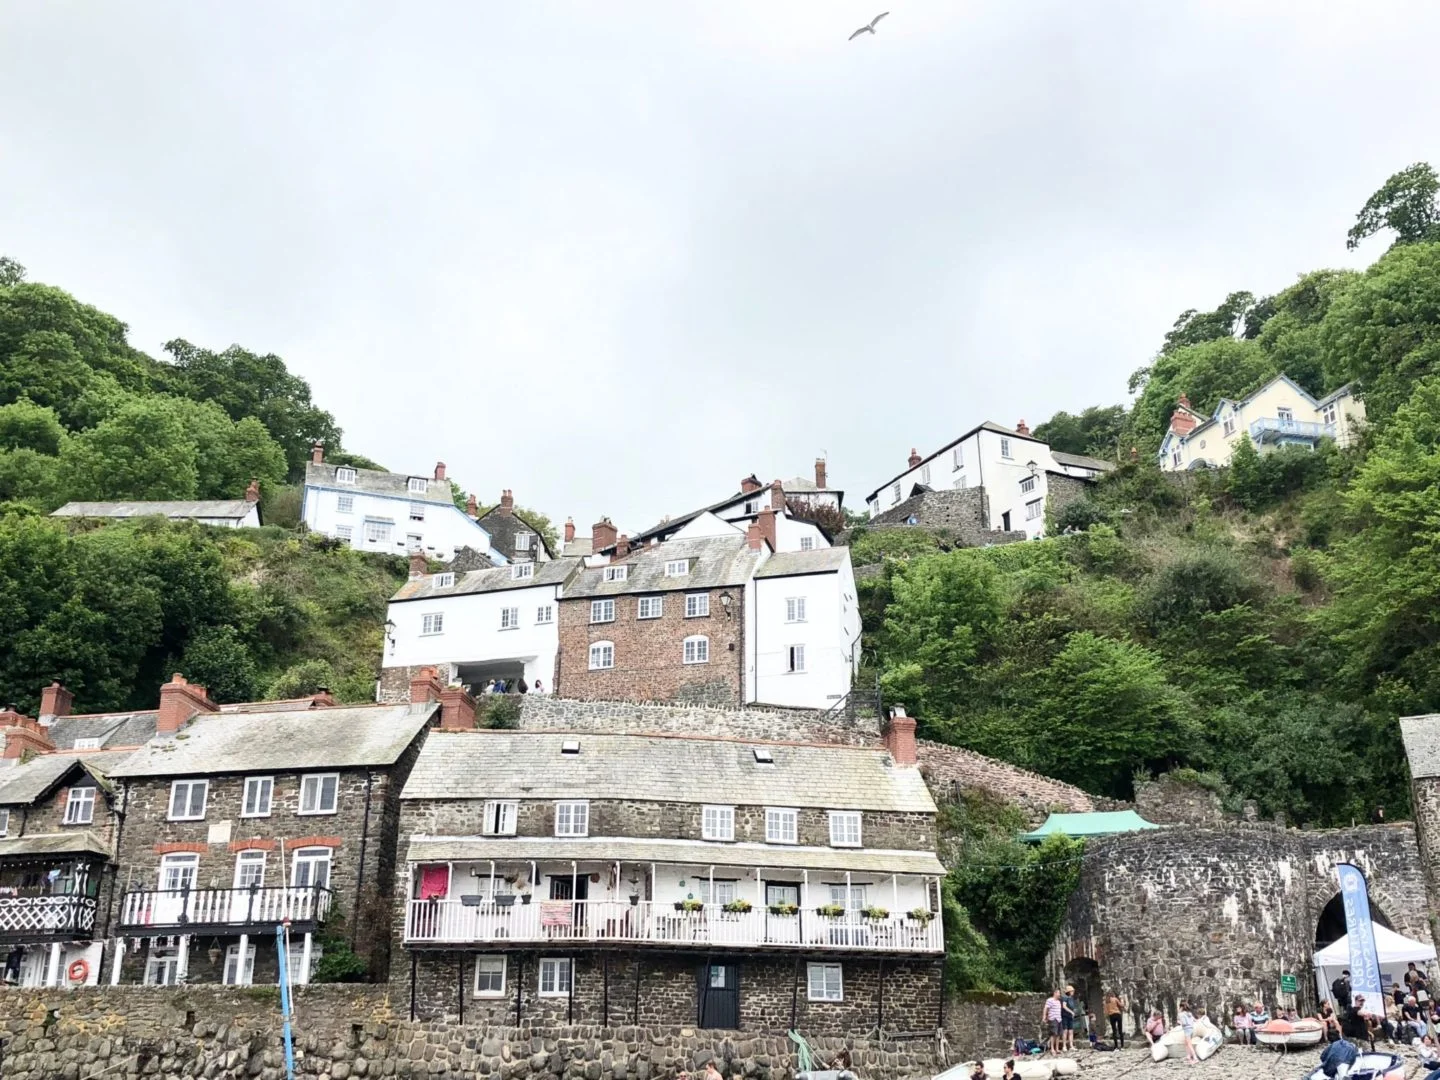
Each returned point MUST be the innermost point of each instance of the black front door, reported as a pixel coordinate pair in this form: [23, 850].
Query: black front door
[719, 1005]
[564, 887]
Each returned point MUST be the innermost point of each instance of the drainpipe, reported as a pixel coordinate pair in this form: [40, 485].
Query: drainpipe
[119, 833]
[360, 873]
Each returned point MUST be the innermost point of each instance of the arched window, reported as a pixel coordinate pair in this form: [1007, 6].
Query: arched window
[697, 650]
[602, 655]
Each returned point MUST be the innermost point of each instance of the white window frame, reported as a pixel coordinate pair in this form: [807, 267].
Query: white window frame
[958, 457]
[417, 511]
[1229, 425]
[80, 806]
[1028, 484]
[572, 817]
[1175, 459]
[717, 822]
[444, 581]
[315, 783]
[90, 743]
[161, 966]
[312, 857]
[697, 605]
[601, 651]
[650, 607]
[851, 897]
[260, 785]
[481, 962]
[509, 618]
[544, 614]
[558, 970]
[418, 485]
[501, 816]
[1284, 413]
[1035, 508]
[925, 473]
[414, 542]
[1004, 447]
[782, 825]
[961, 484]
[378, 532]
[830, 985]
[248, 860]
[677, 568]
[695, 649]
[432, 623]
[807, 543]
[845, 828]
[794, 609]
[752, 506]
[617, 573]
[4, 822]
[795, 659]
[189, 787]
[344, 504]
[236, 972]
[522, 541]
[522, 570]
[344, 532]
[344, 475]
[894, 494]
[602, 611]
[717, 891]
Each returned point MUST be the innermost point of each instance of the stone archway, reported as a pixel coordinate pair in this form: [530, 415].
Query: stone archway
[1330, 925]
[1083, 973]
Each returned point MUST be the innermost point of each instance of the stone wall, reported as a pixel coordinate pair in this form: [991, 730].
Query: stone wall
[546, 712]
[1062, 490]
[1168, 800]
[951, 769]
[991, 1021]
[962, 513]
[1214, 914]
[1425, 798]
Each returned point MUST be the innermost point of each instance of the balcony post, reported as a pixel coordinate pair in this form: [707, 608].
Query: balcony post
[185, 903]
[182, 960]
[250, 904]
[305, 959]
[119, 958]
[52, 975]
[240, 979]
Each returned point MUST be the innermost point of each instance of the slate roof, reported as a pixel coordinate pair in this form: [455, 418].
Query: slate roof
[497, 579]
[396, 485]
[578, 548]
[986, 426]
[71, 842]
[715, 562]
[23, 784]
[235, 509]
[503, 529]
[661, 768]
[112, 729]
[1421, 736]
[689, 852]
[816, 561]
[1082, 461]
[283, 741]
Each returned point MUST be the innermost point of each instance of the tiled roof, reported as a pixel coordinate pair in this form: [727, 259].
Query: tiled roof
[497, 579]
[1082, 461]
[288, 741]
[223, 508]
[687, 852]
[74, 842]
[817, 561]
[660, 768]
[382, 483]
[715, 562]
[1421, 736]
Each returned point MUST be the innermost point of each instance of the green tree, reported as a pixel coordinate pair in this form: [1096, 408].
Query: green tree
[1226, 321]
[11, 272]
[218, 660]
[143, 452]
[1405, 204]
[1095, 431]
[1204, 372]
[23, 424]
[1291, 336]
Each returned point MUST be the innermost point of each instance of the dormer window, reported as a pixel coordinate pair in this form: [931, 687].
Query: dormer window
[752, 506]
[522, 570]
[419, 485]
[677, 568]
[522, 541]
[344, 475]
[617, 573]
[444, 581]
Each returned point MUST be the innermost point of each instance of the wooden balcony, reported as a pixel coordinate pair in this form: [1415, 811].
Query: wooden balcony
[232, 910]
[25, 919]
[602, 923]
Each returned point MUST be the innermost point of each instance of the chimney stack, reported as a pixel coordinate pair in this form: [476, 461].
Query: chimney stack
[602, 536]
[569, 530]
[765, 521]
[439, 470]
[1182, 420]
[419, 565]
[507, 503]
[753, 537]
[20, 735]
[777, 495]
[179, 701]
[750, 485]
[915, 458]
[55, 702]
[900, 737]
[472, 507]
[426, 686]
[317, 453]
[322, 698]
[1021, 428]
[457, 709]
[622, 548]
[252, 493]
[820, 473]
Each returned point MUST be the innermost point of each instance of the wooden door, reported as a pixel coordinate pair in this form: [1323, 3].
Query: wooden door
[719, 990]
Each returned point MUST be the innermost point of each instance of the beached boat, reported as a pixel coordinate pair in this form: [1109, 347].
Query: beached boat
[1206, 1040]
[1370, 1067]
[1289, 1034]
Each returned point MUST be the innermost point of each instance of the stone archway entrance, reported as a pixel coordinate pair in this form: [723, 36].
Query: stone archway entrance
[1084, 974]
[1330, 927]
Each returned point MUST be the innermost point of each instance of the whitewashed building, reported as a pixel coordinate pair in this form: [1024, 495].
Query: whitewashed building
[1280, 413]
[221, 513]
[1013, 467]
[392, 513]
[807, 629]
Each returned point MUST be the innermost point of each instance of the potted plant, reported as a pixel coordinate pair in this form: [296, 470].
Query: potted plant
[689, 904]
[921, 915]
[784, 908]
[874, 911]
[505, 899]
[832, 911]
[524, 897]
[634, 898]
[738, 907]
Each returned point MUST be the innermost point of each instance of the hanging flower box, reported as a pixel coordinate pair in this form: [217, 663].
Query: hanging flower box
[784, 909]
[690, 904]
[873, 912]
[922, 915]
[738, 907]
[833, 911]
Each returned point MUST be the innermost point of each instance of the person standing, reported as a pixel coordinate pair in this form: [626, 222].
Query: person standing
[1053, 1015]
[1187, 1025]
[1341, 990]
[1115, 1014]
[1070, 1014]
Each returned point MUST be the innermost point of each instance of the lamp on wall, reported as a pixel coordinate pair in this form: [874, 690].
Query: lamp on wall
[390, 631]
[725, 601]
[1034, 469]
[214, 952]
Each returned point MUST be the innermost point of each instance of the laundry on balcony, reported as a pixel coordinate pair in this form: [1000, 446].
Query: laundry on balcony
[434, 882]
[557, 913]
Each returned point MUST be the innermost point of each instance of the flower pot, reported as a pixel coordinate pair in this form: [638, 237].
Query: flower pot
[634, 899]
[508, 900]
[525, 898]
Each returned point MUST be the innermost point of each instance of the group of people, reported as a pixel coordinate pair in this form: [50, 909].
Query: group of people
[512, 686]
[1410, 1014]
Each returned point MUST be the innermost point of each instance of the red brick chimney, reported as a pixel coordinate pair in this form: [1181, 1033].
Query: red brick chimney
[20, 734]
[439, 470]
[55, 701]
[602, 535]
[569, 530]
[426, 686]
[820, 472]
[472, 507]
[622, 548]
[1183, 420]
[457, 709]
[507, 503]
[750, 485]
[753, 536]
[317, 453]
[419, 565]
[322, 699]
[179, 701]
[914, 458]
[900, 737]
[252, 493]
[777, 495]
[1022, 428]
[766, 523]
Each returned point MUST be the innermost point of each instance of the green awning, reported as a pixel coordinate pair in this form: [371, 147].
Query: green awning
[1096, 824]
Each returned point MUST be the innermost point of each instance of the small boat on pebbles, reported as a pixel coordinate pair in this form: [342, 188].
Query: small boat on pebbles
[1289, 1034]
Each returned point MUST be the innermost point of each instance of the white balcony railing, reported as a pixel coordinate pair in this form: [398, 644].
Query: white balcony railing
[223, 907]
[21, 916]
[1275, 427]
[456, 922]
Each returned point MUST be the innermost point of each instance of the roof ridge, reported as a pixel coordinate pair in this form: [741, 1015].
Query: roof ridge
[682, 735]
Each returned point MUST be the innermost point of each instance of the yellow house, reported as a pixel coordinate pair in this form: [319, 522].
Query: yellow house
[1280, 413]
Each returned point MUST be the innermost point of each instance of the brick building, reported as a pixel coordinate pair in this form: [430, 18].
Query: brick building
[669, 879]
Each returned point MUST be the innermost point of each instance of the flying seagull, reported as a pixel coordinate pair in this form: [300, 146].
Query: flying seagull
[869, 28]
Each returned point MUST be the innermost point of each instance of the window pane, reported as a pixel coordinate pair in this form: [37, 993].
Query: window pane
[328, 793]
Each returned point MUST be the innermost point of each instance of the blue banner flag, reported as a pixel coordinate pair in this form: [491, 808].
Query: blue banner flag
[1364, 961]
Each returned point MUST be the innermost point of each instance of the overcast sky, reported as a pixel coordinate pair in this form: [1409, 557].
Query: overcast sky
[617, 255]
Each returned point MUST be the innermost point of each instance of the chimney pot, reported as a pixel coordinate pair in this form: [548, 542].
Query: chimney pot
[750, 485]
[753, 537]
[439, 470]
[20, 734]
[569, 530]
[1021, 428]
[820, 473]
[179, 701]
[472, 507]
[55, 701]
[426, 686]
[507, 503]
[252, 493]
[914, 458]
[317, 453]
[765, 522]
[622, 548]
[419, 565]
[602, 536]
[900, 738]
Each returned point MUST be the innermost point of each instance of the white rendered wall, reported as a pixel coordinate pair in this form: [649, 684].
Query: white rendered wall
[829, 666]
[444, 529]
[472, 631]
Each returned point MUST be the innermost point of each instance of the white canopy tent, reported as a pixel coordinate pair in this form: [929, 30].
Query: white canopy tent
[1394, 951]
